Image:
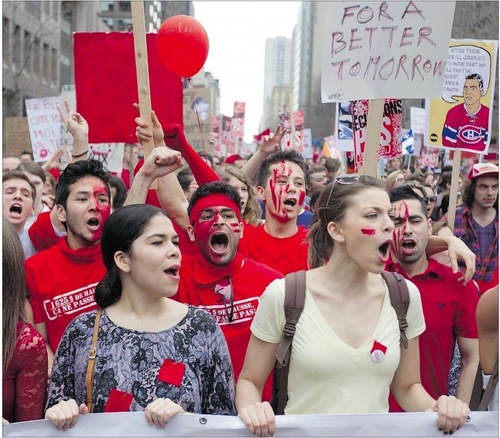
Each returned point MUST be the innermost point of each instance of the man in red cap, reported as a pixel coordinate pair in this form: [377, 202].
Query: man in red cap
[476, 222]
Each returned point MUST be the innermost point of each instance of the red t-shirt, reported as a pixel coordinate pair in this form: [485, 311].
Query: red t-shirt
[449, 311]
[42, 232]
[197, 286]
[25, 377]
[288, 254]
[62, 282]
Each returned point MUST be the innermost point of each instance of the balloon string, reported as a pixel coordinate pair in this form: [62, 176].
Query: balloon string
[195, 107]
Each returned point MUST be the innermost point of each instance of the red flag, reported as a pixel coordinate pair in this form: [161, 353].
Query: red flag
[106, 85]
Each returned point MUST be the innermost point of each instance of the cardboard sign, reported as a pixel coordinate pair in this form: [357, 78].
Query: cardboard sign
[380, 49]
[462, 118]
[17, 135]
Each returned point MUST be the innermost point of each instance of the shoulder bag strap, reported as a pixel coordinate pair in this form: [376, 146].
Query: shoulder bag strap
[295, 293]
[91, 365]
[400, 300]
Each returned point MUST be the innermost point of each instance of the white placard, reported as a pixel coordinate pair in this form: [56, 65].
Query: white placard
[385, 49]
[44, 124]
[417, 120]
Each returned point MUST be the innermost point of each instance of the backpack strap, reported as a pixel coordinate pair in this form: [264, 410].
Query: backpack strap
[400, 300]
[295, 294]
[89, 380]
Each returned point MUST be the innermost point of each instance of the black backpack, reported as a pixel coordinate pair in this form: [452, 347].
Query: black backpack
[295, 294]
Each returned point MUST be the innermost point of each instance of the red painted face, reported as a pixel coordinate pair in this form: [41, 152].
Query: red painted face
[284, 185]
[402, 212]
[103, 206]
[368, 231]
[217, 234]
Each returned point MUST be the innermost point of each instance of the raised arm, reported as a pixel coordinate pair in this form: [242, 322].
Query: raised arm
[78, 127]
[169, 191]
[270, 144]
[487, 327]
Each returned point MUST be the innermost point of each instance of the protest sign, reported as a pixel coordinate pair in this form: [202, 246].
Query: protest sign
[134, 424]
[228, 143]
[379, 49]
[109, 154]
[44, 124]
[17, 135]
[238, 121]
[307, 149]
[344, 138]
[417, 117]
[390, 134]
[106, 99]
[197, 120]
[461, 119]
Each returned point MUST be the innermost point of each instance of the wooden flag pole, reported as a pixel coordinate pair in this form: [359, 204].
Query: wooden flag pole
[374, 123]
[142, 69]
[141, 65]
[452, 208]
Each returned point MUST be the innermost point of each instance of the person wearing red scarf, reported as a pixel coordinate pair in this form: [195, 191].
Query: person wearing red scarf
[214, 275]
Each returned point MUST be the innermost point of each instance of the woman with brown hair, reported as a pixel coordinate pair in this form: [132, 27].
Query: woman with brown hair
[250, 207]
[24, 353]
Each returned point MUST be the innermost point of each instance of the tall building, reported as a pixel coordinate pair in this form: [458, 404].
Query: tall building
[38, 46]
[277, 73]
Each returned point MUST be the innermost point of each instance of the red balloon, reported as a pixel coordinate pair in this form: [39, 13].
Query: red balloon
[182, 45]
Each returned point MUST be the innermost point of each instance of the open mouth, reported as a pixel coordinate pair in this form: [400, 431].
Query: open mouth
[219, 242]
[290, 202]
[16, 208]
[384, 251]
[173, 271]
[94, 222]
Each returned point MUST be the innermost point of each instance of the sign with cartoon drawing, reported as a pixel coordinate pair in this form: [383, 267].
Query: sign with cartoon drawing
[461, 119]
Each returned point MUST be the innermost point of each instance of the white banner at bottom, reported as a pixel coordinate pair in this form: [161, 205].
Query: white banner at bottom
[194, 425]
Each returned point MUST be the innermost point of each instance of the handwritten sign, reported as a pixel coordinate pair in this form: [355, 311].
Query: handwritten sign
[379, 49]
[197, 118]
[344, 140]
[461, 119]
[390, 132]
[44, 124]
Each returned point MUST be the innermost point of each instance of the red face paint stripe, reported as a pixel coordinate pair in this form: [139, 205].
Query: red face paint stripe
[368, 232]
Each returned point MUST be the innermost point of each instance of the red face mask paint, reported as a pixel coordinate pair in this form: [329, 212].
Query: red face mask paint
[401, 211]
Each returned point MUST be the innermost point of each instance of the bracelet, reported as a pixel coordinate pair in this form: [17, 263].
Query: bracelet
[80, 155]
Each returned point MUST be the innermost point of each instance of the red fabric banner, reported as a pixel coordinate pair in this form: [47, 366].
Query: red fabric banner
[106, 85]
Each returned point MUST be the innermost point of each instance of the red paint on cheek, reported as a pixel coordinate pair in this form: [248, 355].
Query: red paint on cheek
[235, 226]
[302, 196]
[368, 231]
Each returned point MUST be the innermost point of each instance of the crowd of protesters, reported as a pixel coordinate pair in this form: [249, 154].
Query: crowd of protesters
[175, 294]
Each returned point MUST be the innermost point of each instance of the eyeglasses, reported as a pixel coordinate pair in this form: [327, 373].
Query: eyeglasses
[431, 199]
[225, 289]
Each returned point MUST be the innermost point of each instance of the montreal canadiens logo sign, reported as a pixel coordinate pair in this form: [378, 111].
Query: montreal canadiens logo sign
[470, 134]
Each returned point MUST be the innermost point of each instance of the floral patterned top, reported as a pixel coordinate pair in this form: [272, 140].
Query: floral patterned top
[188, 363]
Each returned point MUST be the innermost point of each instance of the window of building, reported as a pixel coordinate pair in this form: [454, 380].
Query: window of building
[6, 40]
[17, 47]
[125, 24]
[27, 51]
[37, 56]
[110, 22]
[53, 67]
[46, 62]
[124, 6]
[107, 6]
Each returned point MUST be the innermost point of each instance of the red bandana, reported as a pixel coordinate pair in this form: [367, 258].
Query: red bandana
[214, 200]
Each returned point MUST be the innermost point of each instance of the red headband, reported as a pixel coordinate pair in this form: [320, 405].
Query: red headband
[214, 200]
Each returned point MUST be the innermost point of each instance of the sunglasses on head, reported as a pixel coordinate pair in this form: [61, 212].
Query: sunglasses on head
[347, 179]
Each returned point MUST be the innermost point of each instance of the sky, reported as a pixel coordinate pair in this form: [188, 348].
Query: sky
[237, 33]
